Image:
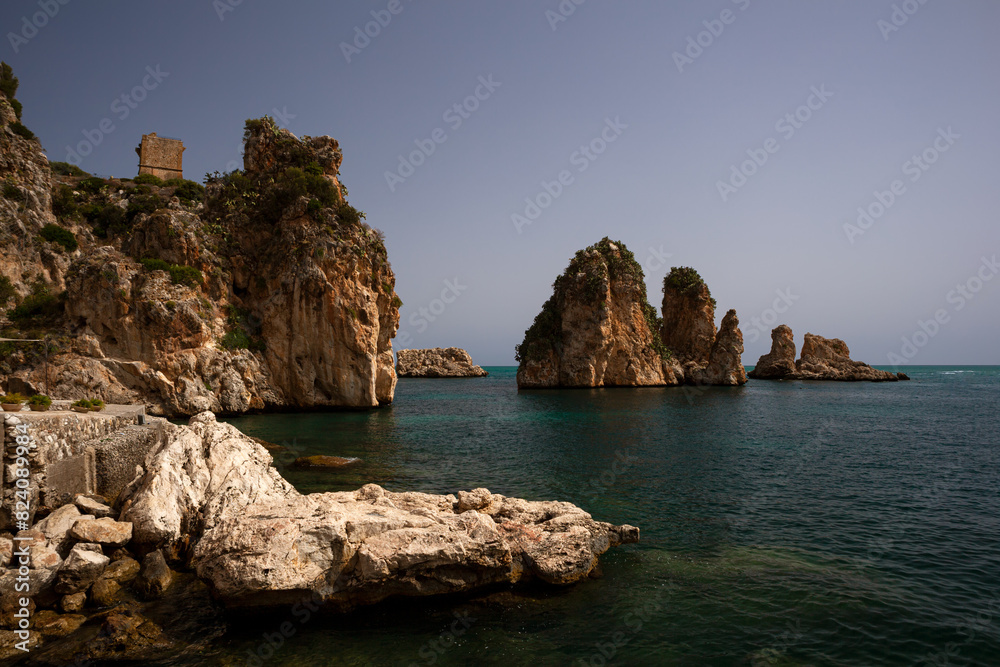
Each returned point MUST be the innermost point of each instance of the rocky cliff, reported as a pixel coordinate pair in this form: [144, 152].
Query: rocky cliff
[438, 362]
[270, 293]
[597, 329]
[707, 357]
[822, 359]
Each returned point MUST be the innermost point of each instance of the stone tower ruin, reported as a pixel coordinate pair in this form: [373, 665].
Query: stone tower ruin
[160, 156]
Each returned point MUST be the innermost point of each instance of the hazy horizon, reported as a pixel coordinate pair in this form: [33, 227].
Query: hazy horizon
[746, 156]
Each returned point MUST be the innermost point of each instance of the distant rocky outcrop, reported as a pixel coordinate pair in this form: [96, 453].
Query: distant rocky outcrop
[821, 359]
[597, 329]
[272, 293]
[209, 498]
[779, 363]
[707, 357]
[451, 362]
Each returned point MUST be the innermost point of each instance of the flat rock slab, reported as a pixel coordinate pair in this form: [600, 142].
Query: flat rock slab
[106, 531]
[88, 505]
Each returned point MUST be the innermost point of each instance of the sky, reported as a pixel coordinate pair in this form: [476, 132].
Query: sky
[828, 165]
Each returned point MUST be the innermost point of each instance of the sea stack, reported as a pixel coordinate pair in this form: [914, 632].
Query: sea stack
[597, 329]
[708, 357]
[821, 359]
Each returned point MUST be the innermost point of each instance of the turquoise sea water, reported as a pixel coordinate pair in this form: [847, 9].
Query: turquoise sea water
[782, 523]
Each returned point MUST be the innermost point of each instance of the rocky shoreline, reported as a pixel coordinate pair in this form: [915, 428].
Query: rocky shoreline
[208, 508]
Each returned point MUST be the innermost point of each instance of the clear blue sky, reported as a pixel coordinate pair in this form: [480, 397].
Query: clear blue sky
[678, 132]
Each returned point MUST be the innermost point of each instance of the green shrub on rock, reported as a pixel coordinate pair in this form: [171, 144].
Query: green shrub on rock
[148, 179]
[60, 235]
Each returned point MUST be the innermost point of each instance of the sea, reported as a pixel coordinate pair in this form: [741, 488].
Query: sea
[783, 523]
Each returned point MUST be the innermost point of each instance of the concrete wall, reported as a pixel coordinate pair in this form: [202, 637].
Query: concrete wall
[161, 157]
[65, 459]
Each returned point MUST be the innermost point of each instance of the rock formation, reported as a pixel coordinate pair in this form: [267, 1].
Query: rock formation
[822, 359]
[707, 357]
[438, 362]
[779, 363]
[688, 316]
[725, 364]
[210, 498]
[597, 329]
[272, 293]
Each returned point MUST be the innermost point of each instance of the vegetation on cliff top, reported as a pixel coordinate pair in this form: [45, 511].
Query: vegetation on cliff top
[293, 171]
[684, 279]
[605, 261]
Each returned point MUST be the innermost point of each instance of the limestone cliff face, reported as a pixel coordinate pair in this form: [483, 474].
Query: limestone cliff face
[780, 361]
[597, 329]
[708, 357]
[25, 207]
[273, 293]
[688, 316]
[725, 365]
[451, 362]
[822, 359]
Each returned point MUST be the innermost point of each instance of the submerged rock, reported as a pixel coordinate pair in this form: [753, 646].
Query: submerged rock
[320, 461]
[256, 541]
[822, 359]
[451, 362]
[154, 576]
[597, 329]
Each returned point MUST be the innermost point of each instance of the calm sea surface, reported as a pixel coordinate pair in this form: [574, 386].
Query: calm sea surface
[782, 523]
